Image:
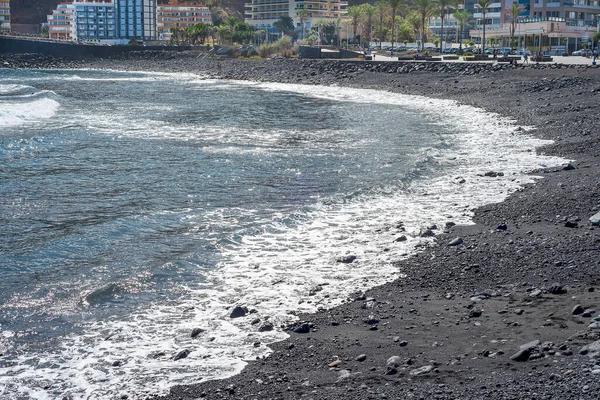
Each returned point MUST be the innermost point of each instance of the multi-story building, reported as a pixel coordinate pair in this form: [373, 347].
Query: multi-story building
[174, 14]
[136, 19]
[61, 22]
[264, 13]
[95, 21]
[4, 15]
[553, 25]
[104, 21]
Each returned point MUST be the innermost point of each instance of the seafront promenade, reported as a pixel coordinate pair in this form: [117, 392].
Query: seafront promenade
[567, 60]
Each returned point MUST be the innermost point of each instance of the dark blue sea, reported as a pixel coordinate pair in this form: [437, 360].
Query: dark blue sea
[135, 207]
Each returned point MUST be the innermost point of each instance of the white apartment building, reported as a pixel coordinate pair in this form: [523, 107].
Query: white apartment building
[174, 14]
[5, 16]
[264, 13]
[61, 22]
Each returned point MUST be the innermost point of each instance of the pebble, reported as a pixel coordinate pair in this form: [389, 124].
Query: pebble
[423, 370]
[578, 309]
[238, 311]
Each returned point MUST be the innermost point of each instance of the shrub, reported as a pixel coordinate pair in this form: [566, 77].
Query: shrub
[282, 45]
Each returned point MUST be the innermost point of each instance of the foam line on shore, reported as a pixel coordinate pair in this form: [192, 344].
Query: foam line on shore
[273, 272]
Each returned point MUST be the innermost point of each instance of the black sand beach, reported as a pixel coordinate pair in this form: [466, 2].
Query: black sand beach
[493, 317]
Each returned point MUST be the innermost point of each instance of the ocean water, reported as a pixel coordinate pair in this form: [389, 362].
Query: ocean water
[135, 207]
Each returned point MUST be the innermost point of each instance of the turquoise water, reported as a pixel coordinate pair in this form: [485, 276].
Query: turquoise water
[135, 207]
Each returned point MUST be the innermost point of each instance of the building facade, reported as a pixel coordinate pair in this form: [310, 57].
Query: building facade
[95, 22]
[4, 16]
[264, 13]
[61, 22]
[136, 19]
[554, 26]
[173, 14]
[104, 21]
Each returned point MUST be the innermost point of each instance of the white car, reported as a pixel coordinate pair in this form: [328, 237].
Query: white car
[578, 53]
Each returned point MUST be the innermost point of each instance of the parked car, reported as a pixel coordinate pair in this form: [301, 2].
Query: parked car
[578, 53]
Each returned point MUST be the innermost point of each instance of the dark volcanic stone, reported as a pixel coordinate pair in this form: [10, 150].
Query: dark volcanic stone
[521, 356]
[196, 332]
[182, 354]
[304, 328]
[238, 311]
[346, 259]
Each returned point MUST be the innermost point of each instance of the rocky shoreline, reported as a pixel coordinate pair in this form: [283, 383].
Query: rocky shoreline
[507, 313]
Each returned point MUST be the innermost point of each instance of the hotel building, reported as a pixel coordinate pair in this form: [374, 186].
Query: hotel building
[61, 22]
[104, 21]
[264, 13]
[556, 26]
[95, 22]
[136, 19]
[174, 14]
[5, 16]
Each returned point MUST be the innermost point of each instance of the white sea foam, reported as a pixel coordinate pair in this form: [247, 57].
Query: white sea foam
[23, 108]
[273, 272]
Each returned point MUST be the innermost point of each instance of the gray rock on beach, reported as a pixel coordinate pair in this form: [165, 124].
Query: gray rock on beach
[595, 219]
[238, 311]
[266, 327]
[578, 309]
[456, 242]
[182, 354]
[521, 355]
[420, 371]
[196, 332]
[592, 349]
[346, 259]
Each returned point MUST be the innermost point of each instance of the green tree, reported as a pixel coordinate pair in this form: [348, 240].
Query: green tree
[462, 18]
[303, 15]
[414, 21]
[369, 13]
[381, 11]
[425, 9]
[484, 6]
[355, 14]
[395, 7]
[513, 13]
[443, 8]
[285, 25]
[243, 33]
[201, 32]
[176, 35]
[329, 32]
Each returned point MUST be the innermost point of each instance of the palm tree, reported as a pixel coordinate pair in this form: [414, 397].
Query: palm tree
[414, 22]
[514, 11]
[285, 25]
[425, 9]
[443, 9]
[395, 6]
[303, 15]
[354, 12]
[381, 9]
[175, 35]
[368, 12]
[484, 6]
[230, 23]
[462, 17]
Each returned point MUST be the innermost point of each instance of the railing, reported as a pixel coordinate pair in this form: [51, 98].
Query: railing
[541, 19]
